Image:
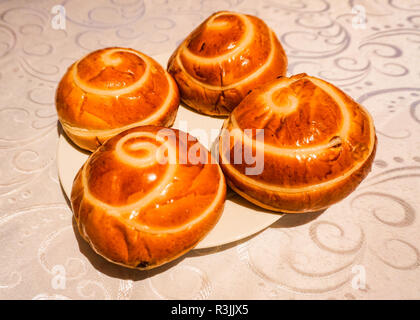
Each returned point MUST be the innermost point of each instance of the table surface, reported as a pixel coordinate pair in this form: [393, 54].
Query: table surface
[365, 247]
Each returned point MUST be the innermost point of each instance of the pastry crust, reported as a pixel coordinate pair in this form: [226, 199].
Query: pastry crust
[111, 90]
[224, 58]
[318, 145]
[140, 201]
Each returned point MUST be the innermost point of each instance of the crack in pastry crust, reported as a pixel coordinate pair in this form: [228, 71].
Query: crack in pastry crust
[239, 82]
[283, 111]
[108, 62]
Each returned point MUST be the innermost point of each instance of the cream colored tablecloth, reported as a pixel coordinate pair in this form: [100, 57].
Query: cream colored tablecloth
[365, 247]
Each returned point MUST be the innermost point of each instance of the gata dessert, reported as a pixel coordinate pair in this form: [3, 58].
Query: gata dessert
[224, 58]
[111, 90]
[311, 142]
[142, 200]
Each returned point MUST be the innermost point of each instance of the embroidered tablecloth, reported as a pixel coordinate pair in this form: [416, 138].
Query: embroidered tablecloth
[365, 247]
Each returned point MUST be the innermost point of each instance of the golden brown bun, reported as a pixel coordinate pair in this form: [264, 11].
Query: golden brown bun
[138, 211]
[111, 90]
[224, 58]
[318, 145]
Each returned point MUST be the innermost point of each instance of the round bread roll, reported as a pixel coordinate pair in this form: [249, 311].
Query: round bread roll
[143, 198]
[316, 146]
[228, 55]
[111, 90]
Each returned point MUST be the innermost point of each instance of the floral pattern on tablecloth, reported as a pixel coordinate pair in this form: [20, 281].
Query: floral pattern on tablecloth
[365, 247]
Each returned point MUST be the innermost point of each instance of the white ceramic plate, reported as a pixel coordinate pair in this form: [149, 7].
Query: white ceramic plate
[240, 218]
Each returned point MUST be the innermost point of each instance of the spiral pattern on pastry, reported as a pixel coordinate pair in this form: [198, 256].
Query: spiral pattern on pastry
[138, 205]
[223, 59]
[318, 145]
[111, 90]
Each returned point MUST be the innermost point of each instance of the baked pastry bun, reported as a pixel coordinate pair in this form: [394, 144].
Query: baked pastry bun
[223, 58]
[111, 90]
[141, 199]
[316, 145]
